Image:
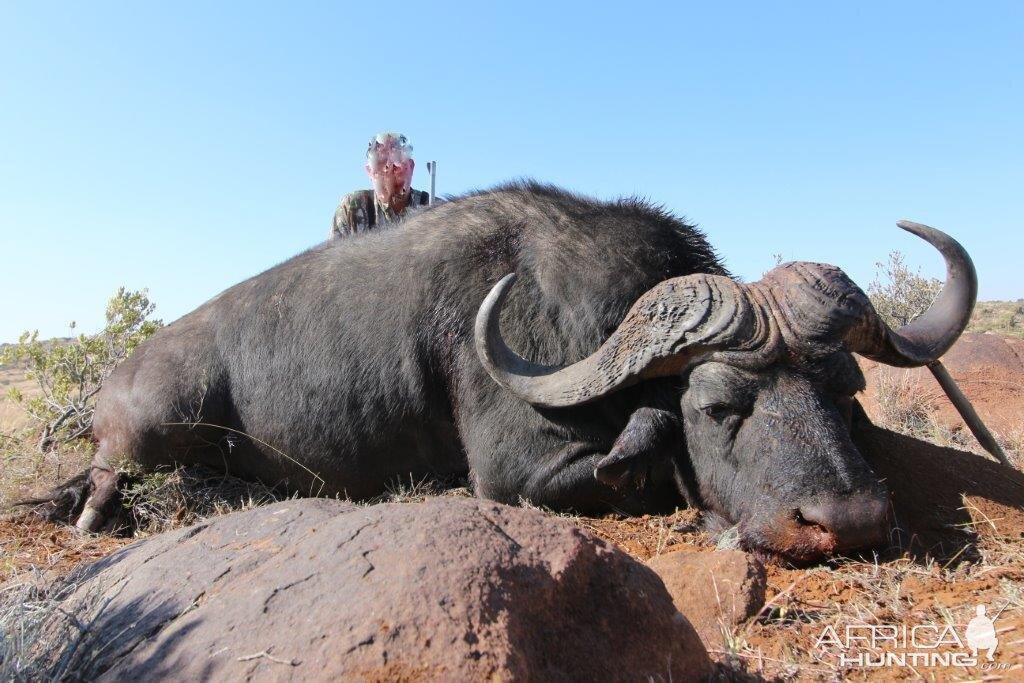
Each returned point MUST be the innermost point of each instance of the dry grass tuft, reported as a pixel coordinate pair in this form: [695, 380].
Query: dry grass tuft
[782, 642]
[160, 501]
[24, 471]
[24, 607]
[902, 408]
[413, 491]
[39, 639]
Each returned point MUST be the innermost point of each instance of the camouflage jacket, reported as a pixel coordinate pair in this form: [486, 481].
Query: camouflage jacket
[359, 211]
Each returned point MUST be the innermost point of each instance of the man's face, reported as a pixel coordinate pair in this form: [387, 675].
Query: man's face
[390, 178]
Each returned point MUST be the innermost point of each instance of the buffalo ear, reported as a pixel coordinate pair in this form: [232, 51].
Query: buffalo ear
[649, 436]
[620, 469]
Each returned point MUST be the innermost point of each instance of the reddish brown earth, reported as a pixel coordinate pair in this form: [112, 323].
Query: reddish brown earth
[989, 369]
[28, 543]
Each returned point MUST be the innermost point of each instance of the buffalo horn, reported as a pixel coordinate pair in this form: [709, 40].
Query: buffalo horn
[669, 324]
[930, 335]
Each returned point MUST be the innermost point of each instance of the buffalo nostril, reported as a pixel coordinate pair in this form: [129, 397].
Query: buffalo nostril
[809, 517]
[817, 514]
[855, 521]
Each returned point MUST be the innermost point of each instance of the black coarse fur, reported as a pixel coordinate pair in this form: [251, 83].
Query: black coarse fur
[352, 364]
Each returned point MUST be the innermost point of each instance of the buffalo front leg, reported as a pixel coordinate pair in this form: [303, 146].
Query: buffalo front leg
[102, 498]
[634, 475]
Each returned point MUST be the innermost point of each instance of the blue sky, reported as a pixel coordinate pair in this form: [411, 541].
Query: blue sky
[185, 146]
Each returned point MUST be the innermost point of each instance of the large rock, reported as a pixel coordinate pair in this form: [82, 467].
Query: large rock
[989, 369]
[453, 589]
[715, 590]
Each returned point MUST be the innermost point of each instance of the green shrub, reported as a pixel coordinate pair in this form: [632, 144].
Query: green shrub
[900, 294]
[69, 374]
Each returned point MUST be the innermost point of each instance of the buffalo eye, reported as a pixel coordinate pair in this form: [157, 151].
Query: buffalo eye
[718, 411]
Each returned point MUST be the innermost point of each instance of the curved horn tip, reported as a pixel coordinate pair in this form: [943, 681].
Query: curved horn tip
[494, 299]
[932, 236]
[507, 281]
[920, 229]
[946, 244]
[927, 337]
[486, 327]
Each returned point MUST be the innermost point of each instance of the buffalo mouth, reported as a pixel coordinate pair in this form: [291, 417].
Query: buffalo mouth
[820, 529]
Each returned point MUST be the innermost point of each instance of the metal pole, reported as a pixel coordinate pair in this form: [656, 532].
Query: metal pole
[967, 412]
[432, 170]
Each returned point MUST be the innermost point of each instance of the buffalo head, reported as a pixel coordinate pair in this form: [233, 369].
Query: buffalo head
[768, 378]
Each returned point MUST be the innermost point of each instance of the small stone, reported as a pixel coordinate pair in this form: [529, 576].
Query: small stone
[714, 590]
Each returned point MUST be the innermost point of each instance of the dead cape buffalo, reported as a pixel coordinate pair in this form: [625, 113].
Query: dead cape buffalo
[653, 377]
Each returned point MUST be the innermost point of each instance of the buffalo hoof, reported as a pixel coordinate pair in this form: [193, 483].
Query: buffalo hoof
[103, 494]
[90, 521]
